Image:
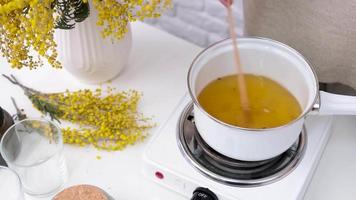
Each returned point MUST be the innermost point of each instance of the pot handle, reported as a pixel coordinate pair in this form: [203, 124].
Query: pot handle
[335, 104]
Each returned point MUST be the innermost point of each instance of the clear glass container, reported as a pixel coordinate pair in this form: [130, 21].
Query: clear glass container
[33, 148]
[10, 185]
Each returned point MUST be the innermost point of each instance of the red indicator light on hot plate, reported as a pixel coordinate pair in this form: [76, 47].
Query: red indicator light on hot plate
[159, 175]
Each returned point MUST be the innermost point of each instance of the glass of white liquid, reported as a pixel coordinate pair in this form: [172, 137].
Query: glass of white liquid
[33, 148]
[10, 185]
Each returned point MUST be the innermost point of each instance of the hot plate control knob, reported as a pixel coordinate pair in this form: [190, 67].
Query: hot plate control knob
[203, 194]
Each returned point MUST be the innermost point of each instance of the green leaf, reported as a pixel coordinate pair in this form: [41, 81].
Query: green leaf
[70, 12]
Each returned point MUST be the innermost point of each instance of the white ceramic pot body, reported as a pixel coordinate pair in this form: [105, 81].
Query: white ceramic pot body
[87, 56]
[272, 59]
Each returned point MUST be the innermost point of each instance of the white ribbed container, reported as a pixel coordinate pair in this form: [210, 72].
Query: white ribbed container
[87, 56]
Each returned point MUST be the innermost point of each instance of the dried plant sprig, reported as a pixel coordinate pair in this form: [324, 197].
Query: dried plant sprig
[40, 103]
[108, 119]
[20, 115]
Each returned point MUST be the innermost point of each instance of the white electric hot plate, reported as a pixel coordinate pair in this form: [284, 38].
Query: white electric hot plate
[180, 160]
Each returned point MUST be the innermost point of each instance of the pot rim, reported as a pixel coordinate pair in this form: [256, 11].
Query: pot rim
[306, 111]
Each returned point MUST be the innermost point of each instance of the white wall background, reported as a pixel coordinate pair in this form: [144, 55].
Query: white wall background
[199, 21]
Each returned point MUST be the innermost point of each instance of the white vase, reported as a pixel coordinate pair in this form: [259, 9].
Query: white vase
[87, 56]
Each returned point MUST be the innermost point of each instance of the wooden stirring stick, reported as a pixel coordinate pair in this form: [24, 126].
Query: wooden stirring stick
[240, 75]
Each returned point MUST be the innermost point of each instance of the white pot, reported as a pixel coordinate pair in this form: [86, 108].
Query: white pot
[86, 55]
[271, 59]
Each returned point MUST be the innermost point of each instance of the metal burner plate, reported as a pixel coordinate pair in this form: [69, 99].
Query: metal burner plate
[231, 171]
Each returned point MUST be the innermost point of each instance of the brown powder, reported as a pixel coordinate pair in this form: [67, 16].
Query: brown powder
[82, 192]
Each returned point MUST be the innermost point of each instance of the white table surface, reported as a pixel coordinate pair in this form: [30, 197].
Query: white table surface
[158, 68]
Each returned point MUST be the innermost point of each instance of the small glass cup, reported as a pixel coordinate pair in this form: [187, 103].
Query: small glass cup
[10, 185]
[34, 149]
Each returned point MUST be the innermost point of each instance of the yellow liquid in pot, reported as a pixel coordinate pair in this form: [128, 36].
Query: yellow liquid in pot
[270, 104]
